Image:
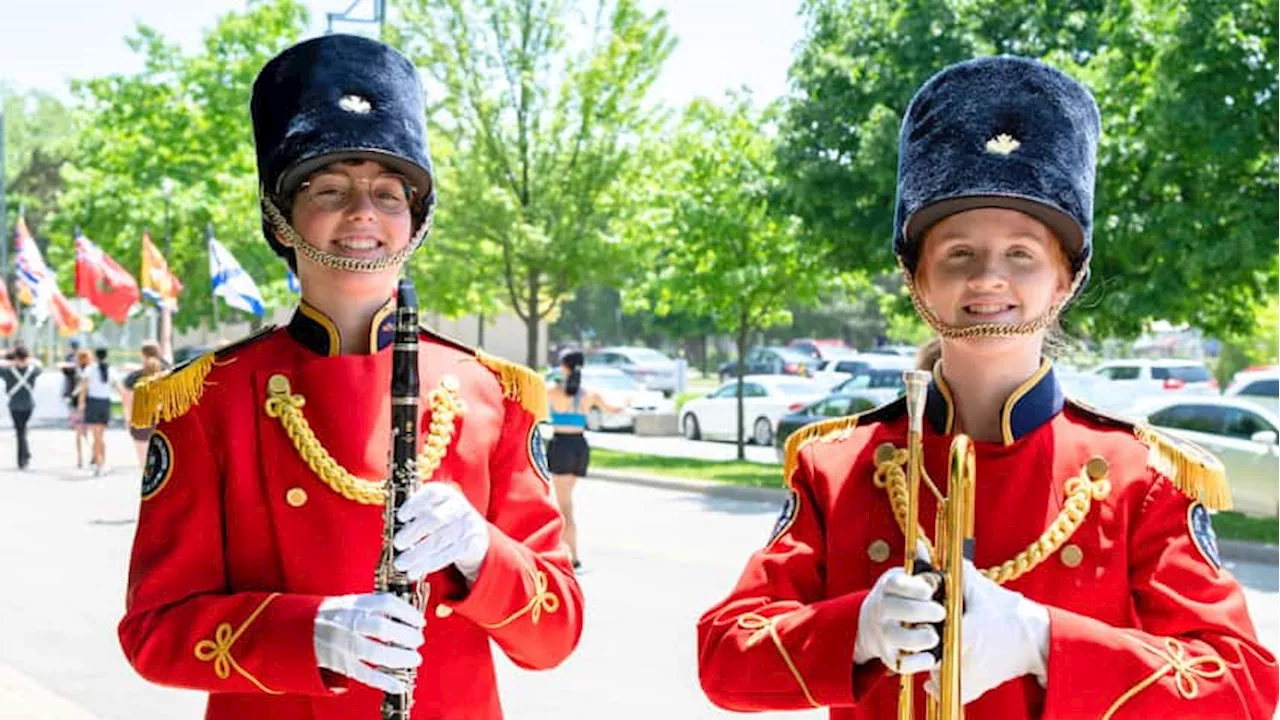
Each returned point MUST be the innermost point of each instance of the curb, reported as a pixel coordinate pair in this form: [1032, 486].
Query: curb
[1230, 550]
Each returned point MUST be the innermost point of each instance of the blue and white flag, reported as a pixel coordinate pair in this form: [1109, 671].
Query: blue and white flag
[230, 280]
[294, 285]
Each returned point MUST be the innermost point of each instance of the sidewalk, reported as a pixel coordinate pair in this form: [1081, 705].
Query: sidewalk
[1231, 550]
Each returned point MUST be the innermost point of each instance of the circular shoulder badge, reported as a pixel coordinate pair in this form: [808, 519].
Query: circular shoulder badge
[159, 465]
[790, 508]
[538, 453]
[1200, 524]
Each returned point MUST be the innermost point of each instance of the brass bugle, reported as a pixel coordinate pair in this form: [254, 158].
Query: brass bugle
[953, 534]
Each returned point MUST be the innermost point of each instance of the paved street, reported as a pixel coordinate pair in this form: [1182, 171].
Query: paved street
[655, 559]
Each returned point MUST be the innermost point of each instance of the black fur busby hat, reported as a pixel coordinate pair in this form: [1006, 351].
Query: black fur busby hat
[333, 98]
[998, 132]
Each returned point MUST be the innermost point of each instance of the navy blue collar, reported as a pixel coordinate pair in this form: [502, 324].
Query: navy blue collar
[316, 332]
[1034, 403]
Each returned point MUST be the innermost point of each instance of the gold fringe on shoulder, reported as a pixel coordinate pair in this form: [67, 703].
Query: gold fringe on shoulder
[809, 433]
[1192, 469]
[170, 395]
[519, 383]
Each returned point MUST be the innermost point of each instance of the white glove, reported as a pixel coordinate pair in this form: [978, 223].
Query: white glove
[896, 600]
[1005, 636]
[441, 528]
[354, 632]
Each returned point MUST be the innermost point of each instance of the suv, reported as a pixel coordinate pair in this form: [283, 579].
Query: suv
[1131, 380]
[649, 367]
[1260, 386]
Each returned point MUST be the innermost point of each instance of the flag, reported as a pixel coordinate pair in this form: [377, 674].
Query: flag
[102, 281]
[230, 280]
[8, 318]
[292, 280]
[35, 281]
[159, 285]
[69, 321]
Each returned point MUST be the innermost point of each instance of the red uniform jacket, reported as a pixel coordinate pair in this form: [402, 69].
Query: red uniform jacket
[239, 538]
[1144, 623]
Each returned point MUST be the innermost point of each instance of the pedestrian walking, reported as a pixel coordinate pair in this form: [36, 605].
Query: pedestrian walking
[20, 372]
[96, 385]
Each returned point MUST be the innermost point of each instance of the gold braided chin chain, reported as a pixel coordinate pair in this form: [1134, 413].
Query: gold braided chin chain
[281, 403]
[987, 330]
[1081, 491]
[290, 238]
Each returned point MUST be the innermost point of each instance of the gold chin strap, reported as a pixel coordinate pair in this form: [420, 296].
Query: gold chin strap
[987, 330]
[291, 238]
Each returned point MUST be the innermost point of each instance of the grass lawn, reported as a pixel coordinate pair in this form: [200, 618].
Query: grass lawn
[728, 471]
[1228, 525]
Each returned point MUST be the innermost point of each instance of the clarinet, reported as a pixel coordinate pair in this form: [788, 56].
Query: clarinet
[402, 475]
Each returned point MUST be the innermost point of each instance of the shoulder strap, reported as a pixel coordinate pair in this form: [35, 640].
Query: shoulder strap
[1192, 469]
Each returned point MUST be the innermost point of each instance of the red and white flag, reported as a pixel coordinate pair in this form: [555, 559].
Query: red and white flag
[102, 281]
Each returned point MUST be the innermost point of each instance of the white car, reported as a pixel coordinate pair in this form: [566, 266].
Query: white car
[881, 378]
[1129, 382]
[620, 390]
[765, 399]
[1243, 435]
[1260, 387]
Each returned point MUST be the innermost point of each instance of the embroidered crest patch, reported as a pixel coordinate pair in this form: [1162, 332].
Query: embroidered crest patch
[159, 465]
[1200, 524]
[786, 517]
[538, 453]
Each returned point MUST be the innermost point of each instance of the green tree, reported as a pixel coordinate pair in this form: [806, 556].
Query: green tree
[1185, 218]
[37, 143]
[722, 250]
[543, 117]
[183, 118]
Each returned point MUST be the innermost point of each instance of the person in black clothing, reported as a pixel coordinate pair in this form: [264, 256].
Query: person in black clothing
[19, 374]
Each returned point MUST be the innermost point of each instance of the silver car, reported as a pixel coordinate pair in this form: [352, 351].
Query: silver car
[647, 366]
[1243, 435]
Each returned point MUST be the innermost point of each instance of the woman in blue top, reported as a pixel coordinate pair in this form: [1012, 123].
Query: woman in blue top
[568, 453]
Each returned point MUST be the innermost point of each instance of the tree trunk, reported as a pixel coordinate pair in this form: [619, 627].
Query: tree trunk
[742, 368]
[531, 324]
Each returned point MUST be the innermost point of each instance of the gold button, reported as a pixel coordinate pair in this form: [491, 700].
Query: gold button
[450, 383]
[278, 384]
[878, 551]
[1096, 467]
[296, 497]
[884, 453]
[1072, 555]
[443, 611]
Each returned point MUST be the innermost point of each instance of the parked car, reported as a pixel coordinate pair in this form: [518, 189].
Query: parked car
[899, 350]
[1243, 435]
[765, 399]
[770, 361]
[649, 367]
[881, 379]
[1260, 386]
[618, 389]
[822, 349]
[1130, 382]
[834, 405]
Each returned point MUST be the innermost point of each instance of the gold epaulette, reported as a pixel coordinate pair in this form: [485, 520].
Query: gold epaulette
[1192, 469]
[807, 434]
[519, 384]
[171, 394]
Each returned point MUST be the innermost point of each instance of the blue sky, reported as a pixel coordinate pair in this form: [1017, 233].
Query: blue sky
[723, 44]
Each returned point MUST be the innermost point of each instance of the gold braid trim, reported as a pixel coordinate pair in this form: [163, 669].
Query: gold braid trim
[218, 650]
[519, 383]
[542, 600]
[828, 430]
[1185, 671]
[1081, 491]
[768, 626]
[169, 395]
[283, 404]
[1198, 474]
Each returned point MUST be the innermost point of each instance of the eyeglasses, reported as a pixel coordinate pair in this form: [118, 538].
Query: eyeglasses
[391, 194]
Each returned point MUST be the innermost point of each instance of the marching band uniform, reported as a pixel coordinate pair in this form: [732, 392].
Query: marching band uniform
[1102, 521]
[263, 494]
